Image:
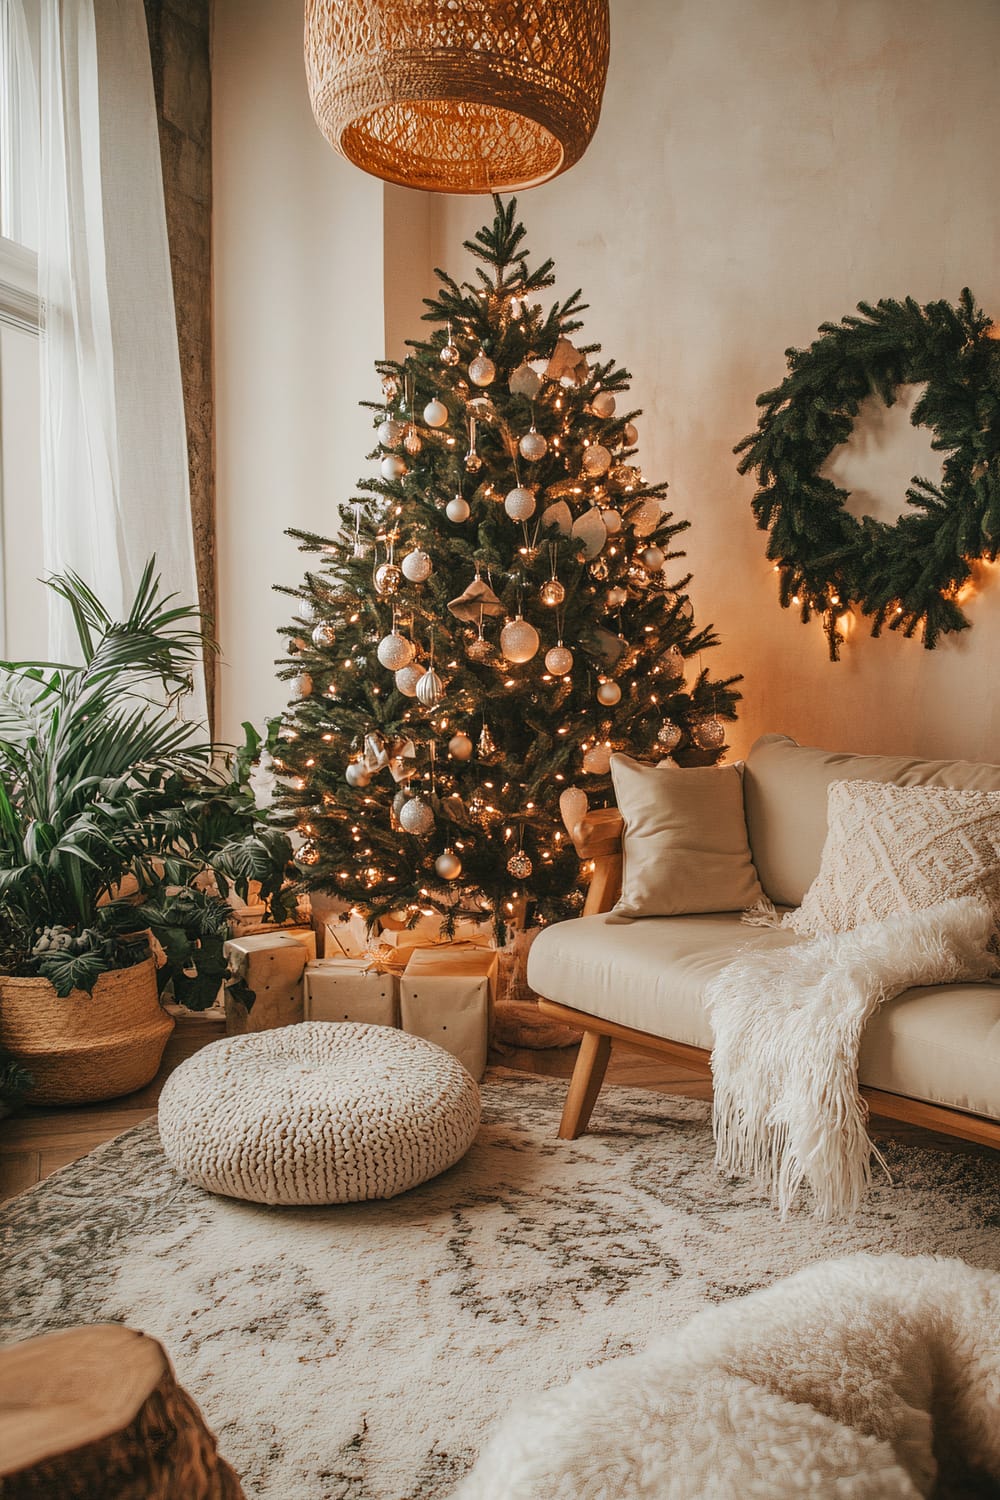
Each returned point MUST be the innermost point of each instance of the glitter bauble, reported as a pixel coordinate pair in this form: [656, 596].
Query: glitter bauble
[303, 684]
[616, 597]
[525, 382]
[412, 442]
[479, 649]
[652, 558]
[519, 865]
[448, 865]
[460, 747]
[390, 387]
[395, 651]
[519, 504]
[533, 446]
[450, 354]
[407, 679]
[309, 611]
[612, 521]
[392, 467]
[709, 733]
[597, 760]
[672, 662]
[357, 775]
[519, 640]
[473, 463]
[390, 432]
[435, 413]
[430, 689]
[482, 370]
[603, 404]
[388, 578]
[416, 816]
[608, 693]
[457, 510]
[307, 855]
[624, 479]
[417, 566]
[669, 735]
[552, 592]
[324, 635]
[631, 434]
[487, 744]
[596, 459]
[646, 517]
[558, 661]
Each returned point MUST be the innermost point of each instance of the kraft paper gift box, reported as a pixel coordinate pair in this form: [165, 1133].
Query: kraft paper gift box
[347, 938]
[446, 996]
[350, 989]
[271, 965]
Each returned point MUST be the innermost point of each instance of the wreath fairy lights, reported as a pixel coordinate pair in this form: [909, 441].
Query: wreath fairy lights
[907, 574]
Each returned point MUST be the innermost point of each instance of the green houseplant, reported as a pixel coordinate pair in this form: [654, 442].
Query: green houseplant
[110, 807]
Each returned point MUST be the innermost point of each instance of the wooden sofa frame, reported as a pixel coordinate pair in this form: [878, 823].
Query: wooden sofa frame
[598, 838]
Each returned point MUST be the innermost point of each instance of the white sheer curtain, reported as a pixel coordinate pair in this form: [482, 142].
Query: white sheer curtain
[114, 448]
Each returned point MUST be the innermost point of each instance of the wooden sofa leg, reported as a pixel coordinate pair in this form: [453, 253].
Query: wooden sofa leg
[585, 1085]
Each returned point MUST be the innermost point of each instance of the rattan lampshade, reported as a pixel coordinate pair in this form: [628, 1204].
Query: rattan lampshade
[458, 96]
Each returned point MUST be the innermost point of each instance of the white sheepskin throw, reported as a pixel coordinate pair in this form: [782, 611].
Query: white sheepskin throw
[868, 1378]
[788, 1027]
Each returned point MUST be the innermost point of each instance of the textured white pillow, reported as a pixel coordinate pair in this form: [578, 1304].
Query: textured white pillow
[900, 848]
[685, 842]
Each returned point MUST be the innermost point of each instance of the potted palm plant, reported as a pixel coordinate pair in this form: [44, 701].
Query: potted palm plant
[110, 806]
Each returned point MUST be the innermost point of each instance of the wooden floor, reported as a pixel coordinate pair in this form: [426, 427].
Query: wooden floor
[38, 1141]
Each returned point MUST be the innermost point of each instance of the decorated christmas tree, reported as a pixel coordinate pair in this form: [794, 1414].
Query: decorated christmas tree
[501, 609]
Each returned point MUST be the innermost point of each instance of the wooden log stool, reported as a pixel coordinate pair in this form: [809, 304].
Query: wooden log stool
[95, 1413]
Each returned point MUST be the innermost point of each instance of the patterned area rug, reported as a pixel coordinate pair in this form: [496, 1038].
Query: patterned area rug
[362, 1353]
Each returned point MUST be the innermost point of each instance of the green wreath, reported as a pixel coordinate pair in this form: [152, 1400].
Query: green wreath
[906, 574]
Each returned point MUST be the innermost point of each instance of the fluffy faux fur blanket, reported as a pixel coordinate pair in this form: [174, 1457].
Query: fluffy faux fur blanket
[788, 1028]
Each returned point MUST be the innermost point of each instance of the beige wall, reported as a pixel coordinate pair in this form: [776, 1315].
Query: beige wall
[297, 245]
[760, 167]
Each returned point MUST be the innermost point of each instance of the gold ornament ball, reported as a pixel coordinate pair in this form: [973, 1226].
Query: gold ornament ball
[473, 463]
[552, 592]
[533, 446]
[390, 432]
[631, 434]
[412, 442]
[519, 865]
[395, 651]
[430, 689]
[672, 662]
[519, 503]
[519, 640]
[559, 660]
[303, 685]
[416, 816]
[417, 566]
[387, 579]
[596, 459]
[407, 679]
[479, 649]
[357, 774]
[608, 693]
[450, 354]
[460, 747]
[324, 635]
[709, 733]
[457, 510]
[448, 865]
[616, 597]
[603, 404]
[651, 558]
[669, 735]
[482, 370]
[392, 467]
[435, 413]
[597, 760]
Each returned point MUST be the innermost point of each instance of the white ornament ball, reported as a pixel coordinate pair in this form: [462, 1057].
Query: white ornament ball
[407, 679]
[482, 370]
[519, 640]
[457, 510]
[597, 760]
[395, 651]
[357, 775]
[448, 865]
[390, 432]
[596, 459]
[608, 693]
[612, 521]
[651, 558]
[303, 684]
[417, 566]
[416, 816]
[631, 434]
[324, 635]
[435, 413]
[392, 467]
[519, 504]
[559, 661]
[460, 747]
[603, 404]
[430, 689]
[533, 446]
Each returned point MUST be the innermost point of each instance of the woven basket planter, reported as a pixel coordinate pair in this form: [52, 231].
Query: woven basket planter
[83, 1048]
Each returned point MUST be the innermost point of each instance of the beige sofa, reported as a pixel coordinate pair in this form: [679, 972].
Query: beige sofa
[931, 1056]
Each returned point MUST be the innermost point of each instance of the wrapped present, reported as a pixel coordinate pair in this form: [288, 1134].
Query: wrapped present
[446, 995]
[351, 989]
[265, 990]
[345, 935]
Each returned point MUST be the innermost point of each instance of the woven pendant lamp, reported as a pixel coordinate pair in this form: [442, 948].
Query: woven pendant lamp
[458, 96]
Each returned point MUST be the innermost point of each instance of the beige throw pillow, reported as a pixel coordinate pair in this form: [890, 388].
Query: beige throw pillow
[685, 842]
[900, 848]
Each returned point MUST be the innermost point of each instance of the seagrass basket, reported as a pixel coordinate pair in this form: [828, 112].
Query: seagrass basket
[458, 96]
[83, 1048]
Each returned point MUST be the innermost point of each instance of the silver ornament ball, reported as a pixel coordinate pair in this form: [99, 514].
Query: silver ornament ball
[482, 370]
[395, 651]
[519, 503]
[388, 578]
[559, 660]
[303, 685]
[533, 446]
[417, 566]
[390, 432]
[709, 733]
[603, 404]
[407, 679]
[435, 413]
[392, 467]
[324, 635]
[356, 774]
[416, 816]
[430, 689]
[457, 510]
[669, 735]
[608, 693]
[596, 459]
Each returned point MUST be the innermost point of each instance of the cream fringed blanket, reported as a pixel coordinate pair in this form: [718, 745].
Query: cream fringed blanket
[788, 1028]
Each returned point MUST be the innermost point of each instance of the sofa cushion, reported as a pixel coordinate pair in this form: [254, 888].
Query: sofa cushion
[785, 794]
[940, 1044]
[685, 841]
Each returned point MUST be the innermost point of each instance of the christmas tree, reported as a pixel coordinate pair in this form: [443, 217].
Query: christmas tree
[497, 615]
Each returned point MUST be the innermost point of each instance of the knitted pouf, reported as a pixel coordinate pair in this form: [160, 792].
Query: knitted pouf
[320, 1112]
